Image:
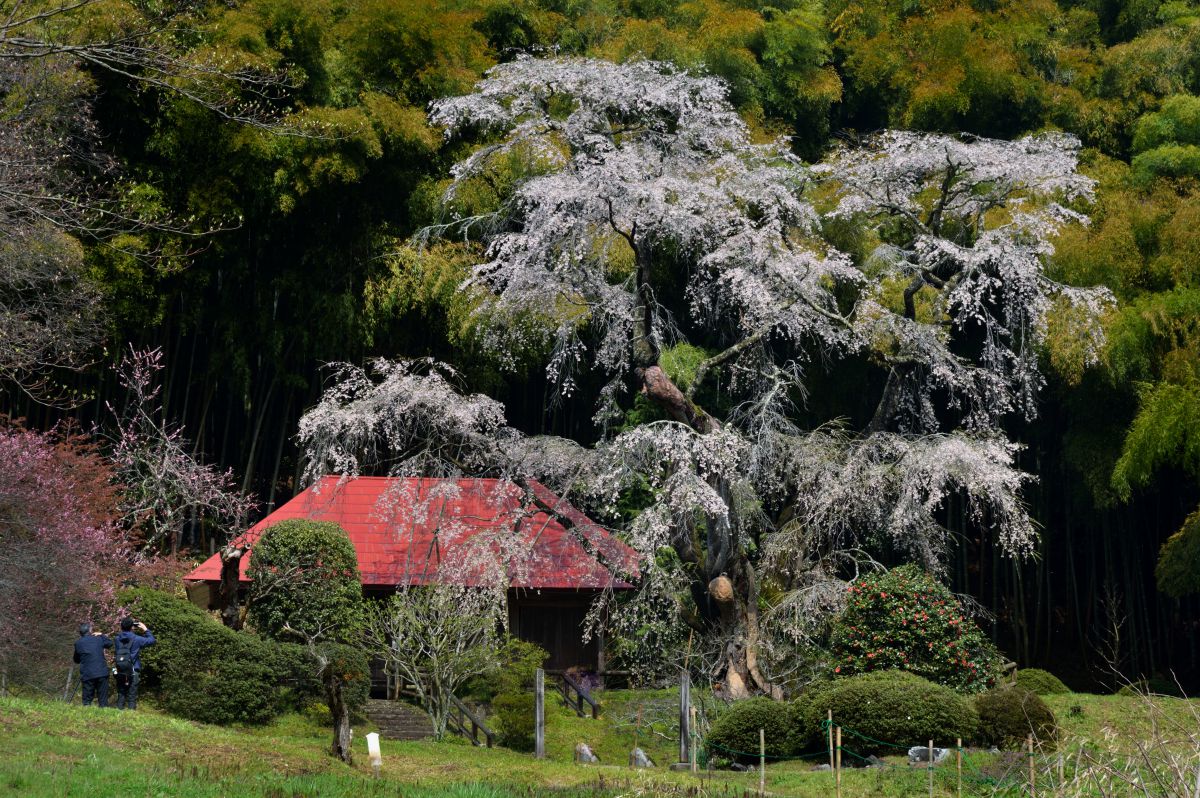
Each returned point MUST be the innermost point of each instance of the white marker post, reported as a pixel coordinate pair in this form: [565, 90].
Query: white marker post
[373, 752]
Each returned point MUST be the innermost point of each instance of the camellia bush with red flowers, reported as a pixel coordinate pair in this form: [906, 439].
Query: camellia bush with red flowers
[904, 619]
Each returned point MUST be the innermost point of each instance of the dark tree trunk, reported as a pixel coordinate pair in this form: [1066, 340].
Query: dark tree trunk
[231, 559]
[335, 698]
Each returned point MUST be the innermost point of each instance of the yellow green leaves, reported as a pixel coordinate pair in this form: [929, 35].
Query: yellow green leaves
[1178, 569]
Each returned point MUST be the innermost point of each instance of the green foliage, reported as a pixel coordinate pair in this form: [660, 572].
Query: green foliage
[513, 700]
[349, 667]
[734, 735]
[894, 707]
[680, 363]
[1176, 122]
[205, 671]
[1178, 570]
[1165, 431]
[1009, 714]
[1040, 682]
[304, 575]
[1155, 685]
[514, 720]
[905, 619]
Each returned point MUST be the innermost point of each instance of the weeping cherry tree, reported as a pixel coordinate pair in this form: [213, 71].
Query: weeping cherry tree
[648, 226]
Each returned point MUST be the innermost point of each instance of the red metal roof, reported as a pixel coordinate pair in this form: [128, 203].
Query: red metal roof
[415, 531]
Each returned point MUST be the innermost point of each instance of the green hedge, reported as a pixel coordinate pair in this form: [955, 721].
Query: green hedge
[511, 692]
[896, 709]
[1041, 682]
[734, 735]
[1008, 715]
[205, 671]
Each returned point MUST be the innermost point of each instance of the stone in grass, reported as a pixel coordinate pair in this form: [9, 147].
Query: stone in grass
[585, 756]
[638, 759]
[919, 755]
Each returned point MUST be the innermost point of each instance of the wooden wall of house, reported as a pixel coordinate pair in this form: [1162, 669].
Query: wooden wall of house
[555, 621]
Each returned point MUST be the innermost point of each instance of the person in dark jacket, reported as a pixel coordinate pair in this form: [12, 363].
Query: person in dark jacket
[127, 684]
[93, 669]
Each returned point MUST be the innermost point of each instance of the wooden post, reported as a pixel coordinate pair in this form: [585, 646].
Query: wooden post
[830, 729]
[692, 726]
[1032, 772]
[837, 770]
[762, 762]
[685, 703]
[929, 751]
[539, 714]
[1060, 775]
[637, 733]
[959, 752]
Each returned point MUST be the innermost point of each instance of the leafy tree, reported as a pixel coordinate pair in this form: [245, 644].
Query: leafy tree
[649, 217]
[436, 638]
[305, 584]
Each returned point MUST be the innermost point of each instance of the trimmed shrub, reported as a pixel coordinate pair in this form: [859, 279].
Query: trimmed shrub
[1155, 685]
[205, 671]
[512, 700]
[896, 709]
[734, 735]
[1008, 715]
[304, 574]
[906, 620]
[514, 720]
[1041, 682]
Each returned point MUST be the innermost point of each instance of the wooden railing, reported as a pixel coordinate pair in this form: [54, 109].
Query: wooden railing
[462, 721]
[574, 695]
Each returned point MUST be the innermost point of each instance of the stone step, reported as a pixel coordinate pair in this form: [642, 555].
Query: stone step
[399, 721]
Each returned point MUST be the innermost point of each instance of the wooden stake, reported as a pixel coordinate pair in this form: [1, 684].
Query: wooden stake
[837, 770]
[762, 762]
[685, 703]
[1032, 772]
[929, 751]
[830, 727]
[637, 733]
[959, 752]
[1060, 773]
[695, 732]
[539, 714]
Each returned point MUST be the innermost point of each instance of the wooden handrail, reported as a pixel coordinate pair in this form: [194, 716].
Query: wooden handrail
[459, 724]
[566, 686]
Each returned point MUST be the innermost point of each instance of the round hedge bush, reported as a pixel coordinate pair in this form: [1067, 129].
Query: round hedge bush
[202, 670]
[1009, 714]
[734, 735]
[1041, 682]
[896, 709]
[905, 619]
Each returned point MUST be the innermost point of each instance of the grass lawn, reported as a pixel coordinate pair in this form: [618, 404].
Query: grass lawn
[51, 749]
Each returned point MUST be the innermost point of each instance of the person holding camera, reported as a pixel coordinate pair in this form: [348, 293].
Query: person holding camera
[93, 670]
[127, 660]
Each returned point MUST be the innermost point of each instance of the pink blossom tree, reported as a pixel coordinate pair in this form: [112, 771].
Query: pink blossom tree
[61, 551]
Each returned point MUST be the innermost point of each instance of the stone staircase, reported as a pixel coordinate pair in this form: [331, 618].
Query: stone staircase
[399, 721]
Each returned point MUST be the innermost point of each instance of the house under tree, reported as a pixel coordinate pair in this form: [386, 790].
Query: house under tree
[410, 531]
